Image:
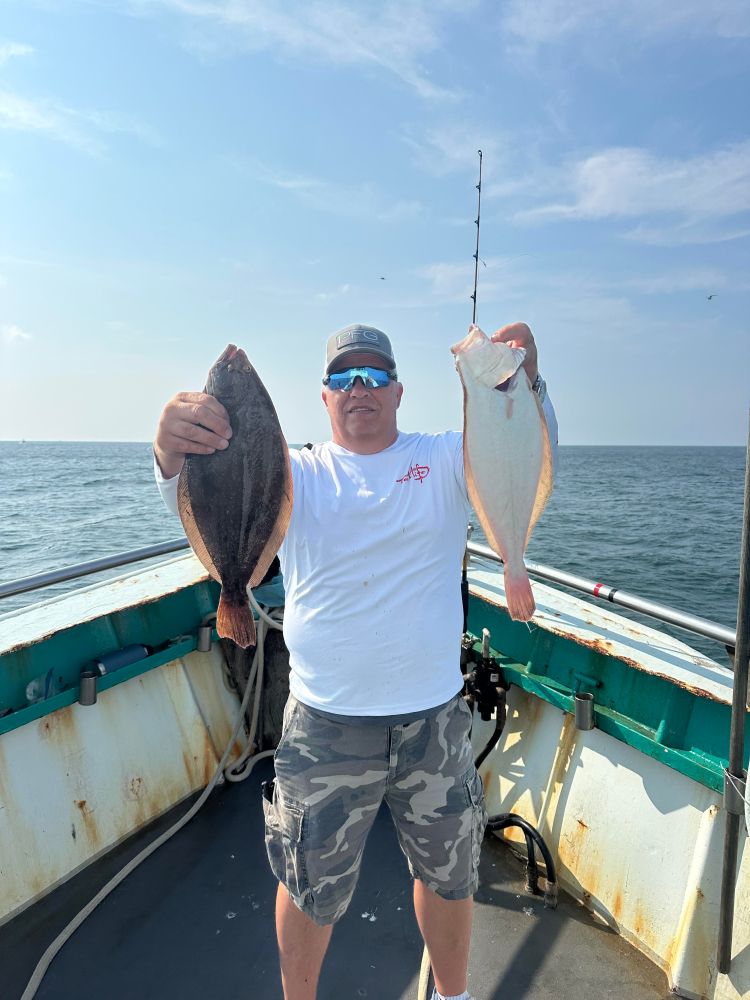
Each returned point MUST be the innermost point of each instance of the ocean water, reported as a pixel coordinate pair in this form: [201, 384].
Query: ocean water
[663, 523]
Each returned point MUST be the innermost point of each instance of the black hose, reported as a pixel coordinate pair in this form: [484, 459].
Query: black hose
[532, 836]
[492, 742]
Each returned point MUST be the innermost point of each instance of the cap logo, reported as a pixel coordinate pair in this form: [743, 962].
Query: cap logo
[356, 336]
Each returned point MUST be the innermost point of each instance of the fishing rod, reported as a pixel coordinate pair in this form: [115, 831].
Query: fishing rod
[465, 569]
[476, 253]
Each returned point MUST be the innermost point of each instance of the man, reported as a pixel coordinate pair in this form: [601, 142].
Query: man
[371, 566]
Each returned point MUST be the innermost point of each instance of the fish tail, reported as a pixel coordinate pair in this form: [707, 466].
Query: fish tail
[518, 593]
[235, 622]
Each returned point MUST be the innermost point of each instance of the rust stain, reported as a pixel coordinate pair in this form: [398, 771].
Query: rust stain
[565, 749]
[89, 823]
[639, 927]
[135, 787]
[694, 941]
[188, 763]
[570, 848]
[607, 648]
[532, 706]
[209, 758]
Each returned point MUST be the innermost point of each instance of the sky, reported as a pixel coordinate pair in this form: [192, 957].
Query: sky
[176, 175]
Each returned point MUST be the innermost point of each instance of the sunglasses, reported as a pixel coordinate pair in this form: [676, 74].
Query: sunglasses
[372, 378]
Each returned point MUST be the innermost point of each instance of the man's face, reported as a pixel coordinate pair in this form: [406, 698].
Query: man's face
[363, 420]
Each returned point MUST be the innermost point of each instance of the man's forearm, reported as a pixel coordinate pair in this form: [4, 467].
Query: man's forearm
[170, 465]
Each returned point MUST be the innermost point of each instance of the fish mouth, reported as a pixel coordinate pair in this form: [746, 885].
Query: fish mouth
[229, 352]
[235, 354]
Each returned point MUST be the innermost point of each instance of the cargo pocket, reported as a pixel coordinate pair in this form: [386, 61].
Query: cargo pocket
[285, 824]
[475, 798]
[291, 710]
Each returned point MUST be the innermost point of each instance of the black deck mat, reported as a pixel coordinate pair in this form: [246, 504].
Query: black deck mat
[195, 922]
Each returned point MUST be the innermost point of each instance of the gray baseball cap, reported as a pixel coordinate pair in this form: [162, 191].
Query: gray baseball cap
[358, 339]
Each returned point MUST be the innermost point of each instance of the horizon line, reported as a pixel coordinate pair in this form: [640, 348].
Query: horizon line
[569, 444]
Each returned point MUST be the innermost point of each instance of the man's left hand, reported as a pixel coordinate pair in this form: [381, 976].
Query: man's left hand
[519, 335]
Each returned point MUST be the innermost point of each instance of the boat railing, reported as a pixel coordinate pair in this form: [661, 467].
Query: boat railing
[662, 612]
[666, 614]
[54, 576]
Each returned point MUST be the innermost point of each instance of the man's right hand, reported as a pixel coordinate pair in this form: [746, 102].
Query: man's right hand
[192, 423]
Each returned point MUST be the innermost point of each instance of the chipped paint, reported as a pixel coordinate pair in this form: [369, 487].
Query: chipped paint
[76, 782]
[637, 843]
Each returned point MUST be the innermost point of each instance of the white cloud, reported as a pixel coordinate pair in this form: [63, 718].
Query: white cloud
[8, 50]
[337, 293]
[692, 194]
[453, 146]
[71, 126]
[535, 22]
[391, 36]
[454, 282]
[23, 115]
[12, 334]
[703, 280]
[358, 201]
[685, 235]
[514, 279]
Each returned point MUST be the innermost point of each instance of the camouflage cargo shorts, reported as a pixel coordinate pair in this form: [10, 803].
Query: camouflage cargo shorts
[331, 778]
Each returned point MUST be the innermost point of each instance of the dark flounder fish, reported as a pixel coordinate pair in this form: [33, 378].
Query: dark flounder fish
[235, 504]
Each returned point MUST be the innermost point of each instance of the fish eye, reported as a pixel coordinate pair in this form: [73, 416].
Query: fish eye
[247, 368]
[229, 368]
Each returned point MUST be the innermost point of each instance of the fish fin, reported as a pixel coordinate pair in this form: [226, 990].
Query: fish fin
[279, 529]
[545, 484]
[521, 604]
[190, 525]
[235, 622]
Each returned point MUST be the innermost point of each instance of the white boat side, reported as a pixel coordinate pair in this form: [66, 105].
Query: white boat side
[636, 841]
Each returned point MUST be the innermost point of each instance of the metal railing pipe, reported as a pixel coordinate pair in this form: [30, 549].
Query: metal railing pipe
[672, 616]
[692, 623]
[95, 566]
[735, 769]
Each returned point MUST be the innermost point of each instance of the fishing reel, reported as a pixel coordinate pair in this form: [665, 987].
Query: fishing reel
[484, 683]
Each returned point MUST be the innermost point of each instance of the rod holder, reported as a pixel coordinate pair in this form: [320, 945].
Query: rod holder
[204, 638]
[87, 690]
[735, 792]
[584, 710]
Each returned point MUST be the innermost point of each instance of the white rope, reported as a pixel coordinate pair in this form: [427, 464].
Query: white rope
[273, 622]
[424, 976]
[238, 769]
[46, 960]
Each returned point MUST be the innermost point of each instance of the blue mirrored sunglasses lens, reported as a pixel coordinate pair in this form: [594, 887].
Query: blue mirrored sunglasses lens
[372, 378]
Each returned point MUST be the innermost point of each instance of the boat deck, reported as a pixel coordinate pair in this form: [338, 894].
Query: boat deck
[195, 921]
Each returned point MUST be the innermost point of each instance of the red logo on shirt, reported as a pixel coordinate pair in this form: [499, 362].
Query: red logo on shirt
[419, 472]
